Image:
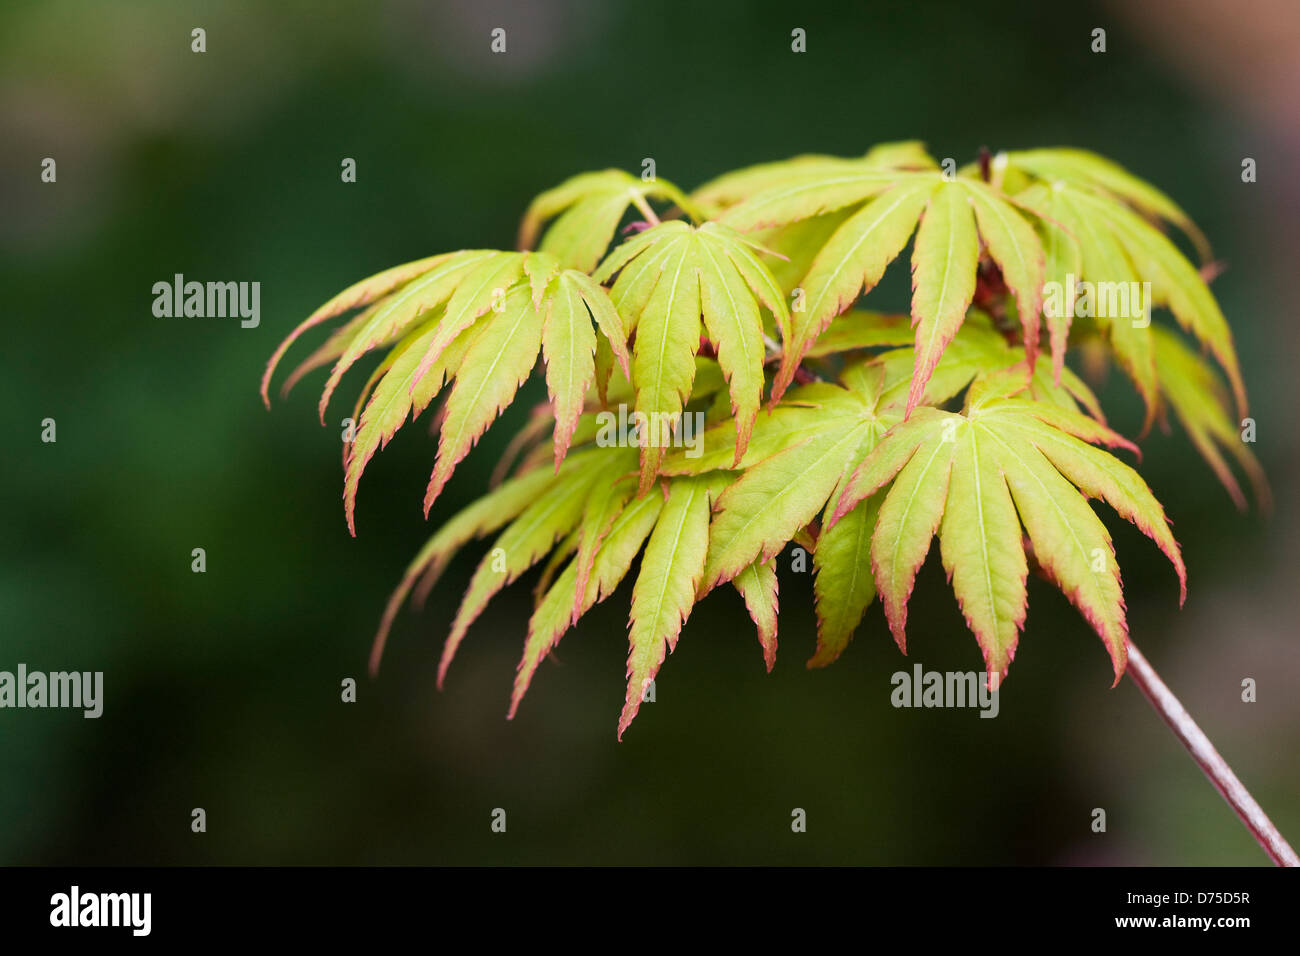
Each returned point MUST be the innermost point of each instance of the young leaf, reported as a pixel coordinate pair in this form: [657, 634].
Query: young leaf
[1015, 247]
[484, 516]
[977, 477]
[663, 361]
[385, 413]
[495, 365]
[909, 516]
[844, 586]
[665, 588]
[731, 317]
[757, 584]
[358, 294]
[734, 187]
[1085, 168]
[851, 263]
[400, 309]
[608, 498]
[481, 289]
[673, 279]
[779, 495]
[943, 279]
[569, 347]
[554, 513]
[810, 193]
[1190, 387]
[1063, 264]
[590, 207]
[1106, 264]
[554, 616]
[1174, 283]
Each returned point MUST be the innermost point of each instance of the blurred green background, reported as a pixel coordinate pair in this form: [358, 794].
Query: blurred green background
[223, 689]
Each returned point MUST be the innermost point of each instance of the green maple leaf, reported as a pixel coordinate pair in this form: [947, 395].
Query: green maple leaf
[665, 588]
[1086, 168]
[1096, 237]
[954, 217]
[475, 320]
[804, 451]
[1190, 387]
[599, 534]
[674, 282]
[730, 189]
[587, 210]
[974, 479]
[561, 509]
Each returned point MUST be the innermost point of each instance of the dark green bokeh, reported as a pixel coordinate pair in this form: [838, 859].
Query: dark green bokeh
[222, 689]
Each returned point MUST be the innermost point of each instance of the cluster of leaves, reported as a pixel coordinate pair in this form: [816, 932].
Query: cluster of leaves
[880, 432]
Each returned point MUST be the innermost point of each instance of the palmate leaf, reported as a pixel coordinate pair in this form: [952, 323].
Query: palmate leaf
[954, 217]
[854, 259]
[775, 194]
[673, 280]
[779, 495]
[587, 518]
[728, 190]
[793, 247]
[665, 588]
[975, 479]
[1190, 387]
[803, 452]
[589, 207]
[844, 586]
[1085, 168]
[361, 293]
[487, 514]
[943, 279]
[392, 401]
[672, 523]
[476, 319]
[554, 514]
[1116, 245]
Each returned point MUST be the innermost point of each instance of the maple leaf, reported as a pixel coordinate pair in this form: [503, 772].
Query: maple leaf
[954, 215]
[589, 207]
[588, 515]
[730, 189]
[973, 479]
[1190, 387]
[474, 320]
[672, 280]
[803, 452]
[1084, 167]
[381, 286]
[1095, 237]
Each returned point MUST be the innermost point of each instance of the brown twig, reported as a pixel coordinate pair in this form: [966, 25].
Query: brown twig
[1216, 768]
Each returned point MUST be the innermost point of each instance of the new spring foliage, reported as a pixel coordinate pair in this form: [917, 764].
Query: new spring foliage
[961, 421]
